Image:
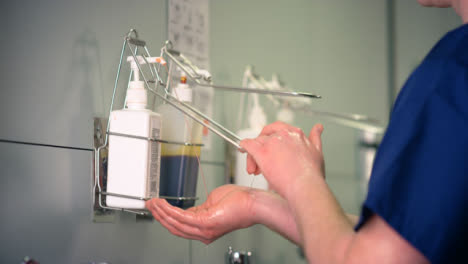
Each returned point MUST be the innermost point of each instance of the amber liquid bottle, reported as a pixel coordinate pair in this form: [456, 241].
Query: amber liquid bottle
[179, 163]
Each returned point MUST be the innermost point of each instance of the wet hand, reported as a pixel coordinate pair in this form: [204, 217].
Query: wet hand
[227, 208]
[285, 156]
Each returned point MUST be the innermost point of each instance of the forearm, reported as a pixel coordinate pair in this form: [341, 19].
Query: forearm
[327, 234]
[272, 210]
[326, 231]
[293, 166]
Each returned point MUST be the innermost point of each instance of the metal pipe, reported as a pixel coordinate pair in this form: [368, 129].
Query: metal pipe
[160, 81]
[155, 139]
[359, 122]
[207, 117]
[233, 88]
[261, 91]
[198, 120]
[98, 149]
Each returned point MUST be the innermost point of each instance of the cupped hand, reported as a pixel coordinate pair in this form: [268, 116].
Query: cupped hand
[285, 156]
[227, 208]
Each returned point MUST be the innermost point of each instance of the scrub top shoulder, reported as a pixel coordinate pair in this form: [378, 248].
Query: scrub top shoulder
[420, 174]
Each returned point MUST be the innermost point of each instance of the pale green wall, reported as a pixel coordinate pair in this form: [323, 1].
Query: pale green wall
[417, 31]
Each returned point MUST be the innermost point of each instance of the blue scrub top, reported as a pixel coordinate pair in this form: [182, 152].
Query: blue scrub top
[420, 175]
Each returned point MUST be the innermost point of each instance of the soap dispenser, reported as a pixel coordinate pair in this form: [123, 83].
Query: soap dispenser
[179, 162]
[134, 160]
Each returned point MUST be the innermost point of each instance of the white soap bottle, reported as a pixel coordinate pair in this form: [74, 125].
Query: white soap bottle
[133, 165]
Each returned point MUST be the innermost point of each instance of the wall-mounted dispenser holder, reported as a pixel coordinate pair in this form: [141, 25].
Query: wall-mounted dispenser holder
[102, 212]
[102, 134]
[198, 76]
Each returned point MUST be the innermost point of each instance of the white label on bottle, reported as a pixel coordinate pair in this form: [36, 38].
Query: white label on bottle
[153, 179]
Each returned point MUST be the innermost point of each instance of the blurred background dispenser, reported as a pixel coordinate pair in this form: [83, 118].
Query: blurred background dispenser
[179, 162]
[134, 159]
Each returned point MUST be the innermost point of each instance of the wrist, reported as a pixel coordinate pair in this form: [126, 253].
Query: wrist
[271, 210]
[302, 180]
[257, 207]
[264, 204]
[298, 188]
[304, 188]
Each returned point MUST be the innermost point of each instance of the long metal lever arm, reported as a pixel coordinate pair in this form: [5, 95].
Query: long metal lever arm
[212, 121]
[194, 114]
[195, 76]
[259, 91]
[355, 121]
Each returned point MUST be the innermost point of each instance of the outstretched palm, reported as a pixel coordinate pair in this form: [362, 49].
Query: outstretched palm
[227, 208]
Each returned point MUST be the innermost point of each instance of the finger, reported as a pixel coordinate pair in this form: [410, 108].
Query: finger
[186, 230]
[257, 171]
[194, 209]
[150, 206]
[260, 138]
[168, 222]
[191, 217]
[251, 164]
[197, 230]
[315, 136]
[277, 126]
[253, 147]
[176, 228]
[252, 167]
[149, 203]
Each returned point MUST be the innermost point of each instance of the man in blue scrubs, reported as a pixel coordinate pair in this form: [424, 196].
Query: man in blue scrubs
[416, 210]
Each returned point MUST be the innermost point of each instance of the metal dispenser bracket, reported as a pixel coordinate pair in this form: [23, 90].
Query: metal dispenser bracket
[200, 77]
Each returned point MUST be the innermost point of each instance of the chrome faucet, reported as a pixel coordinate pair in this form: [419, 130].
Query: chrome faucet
[238, 257]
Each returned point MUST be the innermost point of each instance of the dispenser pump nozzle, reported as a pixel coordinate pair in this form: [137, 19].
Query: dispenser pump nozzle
[142, 61]
[137, 97]
[182, 91]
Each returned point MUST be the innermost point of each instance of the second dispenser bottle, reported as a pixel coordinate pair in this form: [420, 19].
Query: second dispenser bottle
[179, 163]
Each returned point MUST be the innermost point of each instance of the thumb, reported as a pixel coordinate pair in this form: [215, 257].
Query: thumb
[251, 146]
[315, 136]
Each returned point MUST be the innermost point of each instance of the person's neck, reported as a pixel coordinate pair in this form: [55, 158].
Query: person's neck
[462, 11]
